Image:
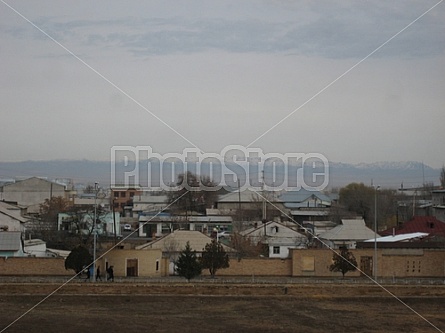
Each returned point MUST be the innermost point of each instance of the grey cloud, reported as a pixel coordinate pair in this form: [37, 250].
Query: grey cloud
[332, 31]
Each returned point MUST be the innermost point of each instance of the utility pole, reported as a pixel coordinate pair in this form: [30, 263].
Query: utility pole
[375, 232]
[264, 206]
[114, 221]
[94, 232]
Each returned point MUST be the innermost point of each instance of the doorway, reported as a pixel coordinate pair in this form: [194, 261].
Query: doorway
[132, 267]
[366, 266]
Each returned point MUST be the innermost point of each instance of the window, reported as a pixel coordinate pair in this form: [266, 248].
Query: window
[276, 250]
[157, 265]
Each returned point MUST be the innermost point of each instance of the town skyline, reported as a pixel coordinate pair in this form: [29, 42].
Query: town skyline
[385, 174]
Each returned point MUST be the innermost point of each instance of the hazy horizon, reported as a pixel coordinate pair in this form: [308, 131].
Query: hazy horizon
[355, 81]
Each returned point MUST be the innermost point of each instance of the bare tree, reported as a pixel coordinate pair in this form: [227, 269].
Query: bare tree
[245, 248]
[196, 198]
[171, 249]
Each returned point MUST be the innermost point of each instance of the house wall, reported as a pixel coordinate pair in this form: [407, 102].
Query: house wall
[390, 262]
[122, 197]
[8, 223]
[256, 267]
[34, 266]
[438, 198]
[439, 213]
[150, 263]
[283, 252]
[32, 191]
[251, 209]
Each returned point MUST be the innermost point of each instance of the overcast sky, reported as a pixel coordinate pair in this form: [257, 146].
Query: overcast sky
[220, 73]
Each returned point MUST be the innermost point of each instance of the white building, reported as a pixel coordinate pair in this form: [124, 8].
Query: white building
[278, 237]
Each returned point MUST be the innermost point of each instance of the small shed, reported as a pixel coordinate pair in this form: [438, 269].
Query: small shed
[11, 244]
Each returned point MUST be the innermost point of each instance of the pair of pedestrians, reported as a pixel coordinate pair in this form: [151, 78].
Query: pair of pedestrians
[110, 274]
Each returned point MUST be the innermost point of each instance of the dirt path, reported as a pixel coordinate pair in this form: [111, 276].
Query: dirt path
[219, 308]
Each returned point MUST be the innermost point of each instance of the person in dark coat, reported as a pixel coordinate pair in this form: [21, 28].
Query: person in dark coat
[98, 277]
[110, 272]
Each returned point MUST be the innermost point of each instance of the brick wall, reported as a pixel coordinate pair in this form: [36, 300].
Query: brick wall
[390, 262]
[34, 266]
[311, 262]
[256, 267]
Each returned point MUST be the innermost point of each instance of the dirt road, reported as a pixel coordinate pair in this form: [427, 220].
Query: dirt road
[215, 307]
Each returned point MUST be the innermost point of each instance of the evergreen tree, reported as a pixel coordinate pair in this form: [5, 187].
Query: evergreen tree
[214, 257]
[343, 262]
[78, 258]
[188, 264]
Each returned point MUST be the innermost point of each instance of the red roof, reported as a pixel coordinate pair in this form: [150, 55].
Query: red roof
[428, 224]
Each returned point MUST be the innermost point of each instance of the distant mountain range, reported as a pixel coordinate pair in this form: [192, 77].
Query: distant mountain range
[386, 174]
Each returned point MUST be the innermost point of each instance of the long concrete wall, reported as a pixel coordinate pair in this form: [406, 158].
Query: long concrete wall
[304, 263]
[401, 262]
[256, 267]
[34, 266]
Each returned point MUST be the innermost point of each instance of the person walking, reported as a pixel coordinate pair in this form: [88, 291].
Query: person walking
[98, 277]
[110, 272]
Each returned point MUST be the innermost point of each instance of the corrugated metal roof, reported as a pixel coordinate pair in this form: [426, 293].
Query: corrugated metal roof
[10, 240]
[302, 195]
[354, 230]
[309, 213]
[399, 238]
[213, 218]
[244, 196]
[12, 211]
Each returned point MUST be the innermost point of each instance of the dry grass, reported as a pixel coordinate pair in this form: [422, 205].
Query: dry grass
[219, 308]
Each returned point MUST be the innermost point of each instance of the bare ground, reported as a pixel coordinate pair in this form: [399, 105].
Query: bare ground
[213, 307]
